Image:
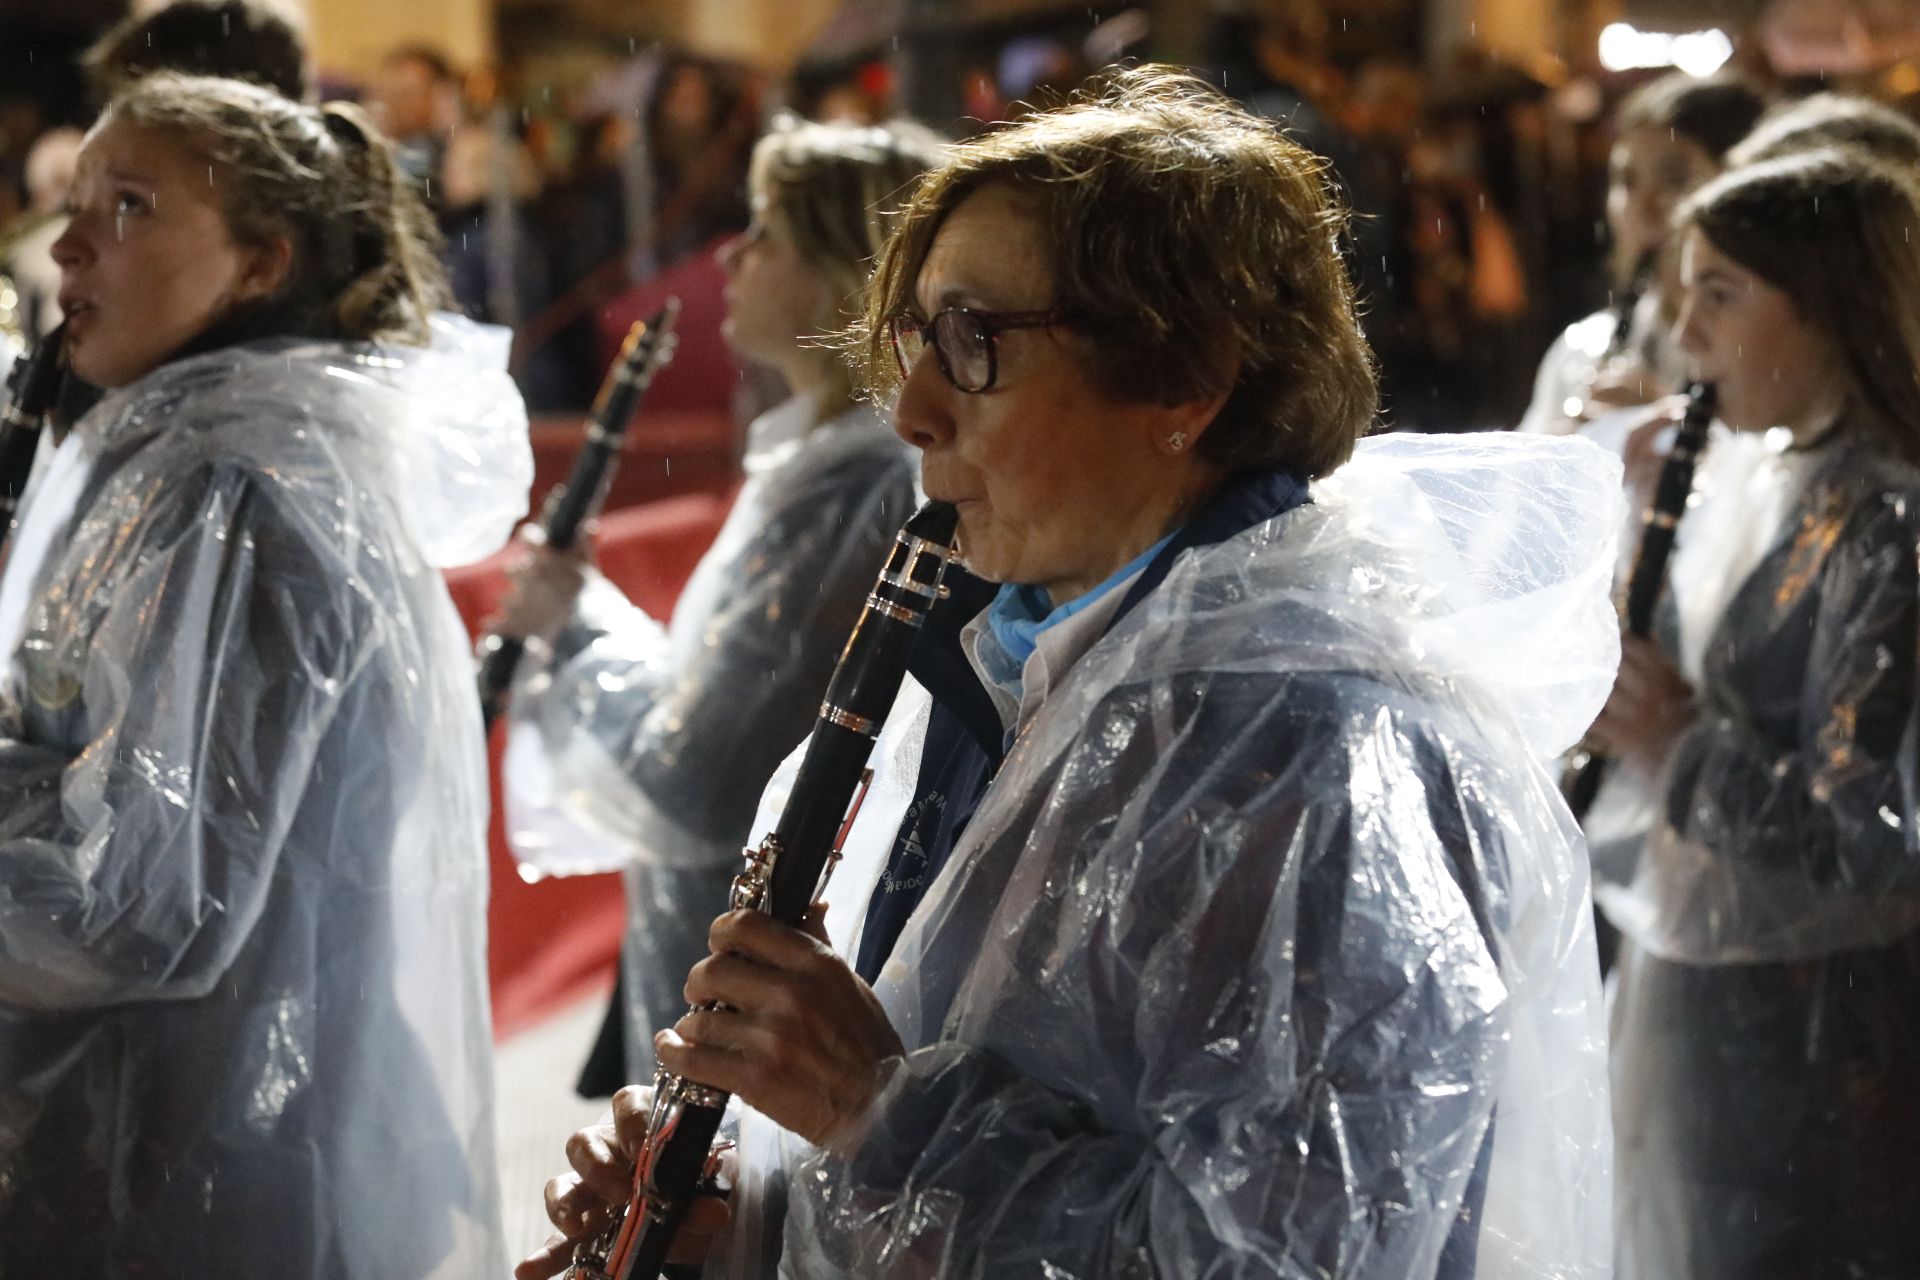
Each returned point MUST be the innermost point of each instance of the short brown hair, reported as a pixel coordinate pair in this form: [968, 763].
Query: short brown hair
[1196, 248]
[325, 178]
[1833, 230]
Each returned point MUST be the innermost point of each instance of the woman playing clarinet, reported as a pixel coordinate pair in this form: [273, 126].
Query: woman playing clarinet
[243, 1020]
[655, 741]
[1767, 1019]
[1670, 136]
[1208, 914]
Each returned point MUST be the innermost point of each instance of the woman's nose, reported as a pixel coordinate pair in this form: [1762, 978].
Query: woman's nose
[923, 414]
[729, 253]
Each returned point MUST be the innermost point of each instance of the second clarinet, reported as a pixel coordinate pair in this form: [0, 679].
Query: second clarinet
[1647, 580]
[647, 350]
[33, 389]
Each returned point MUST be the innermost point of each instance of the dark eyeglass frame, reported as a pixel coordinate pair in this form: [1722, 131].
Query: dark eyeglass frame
[991, 324]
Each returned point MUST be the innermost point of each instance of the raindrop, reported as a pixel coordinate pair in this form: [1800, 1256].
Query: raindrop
[226, 25]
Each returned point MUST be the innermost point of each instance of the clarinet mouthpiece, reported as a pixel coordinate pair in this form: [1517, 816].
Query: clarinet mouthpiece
[934, 521]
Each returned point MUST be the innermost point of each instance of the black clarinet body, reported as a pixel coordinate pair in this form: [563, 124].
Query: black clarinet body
[647, 349]
[783, 877]
[33, 390]
[1647, 580]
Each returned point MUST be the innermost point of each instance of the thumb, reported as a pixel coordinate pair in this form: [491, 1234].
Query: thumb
[815, 925]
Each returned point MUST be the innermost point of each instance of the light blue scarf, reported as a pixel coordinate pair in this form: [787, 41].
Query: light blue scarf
[1019, 614]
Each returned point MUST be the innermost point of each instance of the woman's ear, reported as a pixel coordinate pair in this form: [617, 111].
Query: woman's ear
[1178, 427]
[264, 269]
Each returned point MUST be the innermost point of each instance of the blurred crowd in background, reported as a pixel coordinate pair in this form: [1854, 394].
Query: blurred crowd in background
[562, 180]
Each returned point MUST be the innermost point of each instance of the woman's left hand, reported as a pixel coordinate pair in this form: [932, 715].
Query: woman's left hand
[1650, 707]
[801, 1039]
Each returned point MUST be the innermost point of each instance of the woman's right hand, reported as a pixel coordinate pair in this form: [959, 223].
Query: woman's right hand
[543, 583]
[580, 1204]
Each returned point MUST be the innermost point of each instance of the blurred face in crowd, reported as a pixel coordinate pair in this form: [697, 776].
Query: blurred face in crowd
[1771, 367]
[776, 302]
[686, 105]
[147, 261]
[410, 101]
[1649, 172]
[1058, 483]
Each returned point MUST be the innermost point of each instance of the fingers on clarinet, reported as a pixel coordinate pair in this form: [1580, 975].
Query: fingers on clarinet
[563, 1195]
[706, 1217]
[632, 1107]
[815, 925]
[632, 1103]
[602, 1166]
[715, 1068]
[550, 1259]
[708, 1214]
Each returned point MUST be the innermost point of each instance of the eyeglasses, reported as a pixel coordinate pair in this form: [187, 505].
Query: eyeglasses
[964, 341]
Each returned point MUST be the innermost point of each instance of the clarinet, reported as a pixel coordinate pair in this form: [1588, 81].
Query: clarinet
[647, 350]
[1648, 579]
[1628, 303]
[783, 877]
[33, 389]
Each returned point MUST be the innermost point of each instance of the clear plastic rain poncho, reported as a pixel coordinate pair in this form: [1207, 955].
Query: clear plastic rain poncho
[243, 1005]
[1268, 952]
[1766, 1037]
[646, 748]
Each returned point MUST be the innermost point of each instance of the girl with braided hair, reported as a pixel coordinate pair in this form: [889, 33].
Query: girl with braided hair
[242, 802]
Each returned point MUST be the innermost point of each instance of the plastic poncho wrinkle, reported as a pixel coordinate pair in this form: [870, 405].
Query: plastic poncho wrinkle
[242, 853]
[1268, 951]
